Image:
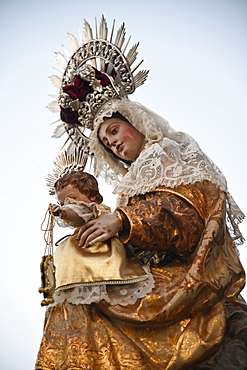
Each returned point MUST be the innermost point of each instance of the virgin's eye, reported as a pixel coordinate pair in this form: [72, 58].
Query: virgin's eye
[114, 130]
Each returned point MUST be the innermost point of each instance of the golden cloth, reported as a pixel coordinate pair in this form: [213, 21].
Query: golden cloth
[185, 321]
[104, 262]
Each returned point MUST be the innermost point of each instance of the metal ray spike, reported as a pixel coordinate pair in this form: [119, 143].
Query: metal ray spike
[56, 81]
[61, 59]
[71, 147]
[67, 52]
[66, 141]
[73, 42]
[59, 131]
[103, 30]
[88, 33]
[80, 35]
[120, 36]
[127, 43]
[132, 54]
[80, 158]
[58, 71]
[112, 30]
[63, 160]
[57, 120]
[53, 107]
[96, 28]
[138, 65]
[91, 163]
[140, 78]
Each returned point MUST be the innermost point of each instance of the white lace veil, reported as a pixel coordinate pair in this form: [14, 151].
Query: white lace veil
[169, 158]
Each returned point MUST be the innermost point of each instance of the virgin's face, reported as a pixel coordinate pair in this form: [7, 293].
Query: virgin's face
[121, 138]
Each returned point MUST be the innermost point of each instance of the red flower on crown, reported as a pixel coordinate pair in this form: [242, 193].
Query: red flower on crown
[69, 116]
[79, 90]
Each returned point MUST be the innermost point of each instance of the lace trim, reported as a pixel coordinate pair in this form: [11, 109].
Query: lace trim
[169, 158]
[122, 294]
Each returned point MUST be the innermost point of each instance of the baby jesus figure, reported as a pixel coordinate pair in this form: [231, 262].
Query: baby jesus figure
[103, 270]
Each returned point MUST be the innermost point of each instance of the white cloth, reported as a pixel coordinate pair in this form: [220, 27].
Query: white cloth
[86, 211]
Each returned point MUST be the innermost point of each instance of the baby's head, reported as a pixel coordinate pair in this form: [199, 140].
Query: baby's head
[78, 185]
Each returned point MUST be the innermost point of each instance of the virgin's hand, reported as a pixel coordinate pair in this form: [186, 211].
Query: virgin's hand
[98, 230]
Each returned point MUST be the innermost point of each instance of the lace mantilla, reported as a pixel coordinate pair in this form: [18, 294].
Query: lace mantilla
[169, 158]
[122, 294]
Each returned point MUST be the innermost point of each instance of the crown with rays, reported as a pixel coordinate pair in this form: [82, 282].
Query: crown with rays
[98, 70]
[64, 164]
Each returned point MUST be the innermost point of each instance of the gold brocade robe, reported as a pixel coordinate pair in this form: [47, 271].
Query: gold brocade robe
[182, 323]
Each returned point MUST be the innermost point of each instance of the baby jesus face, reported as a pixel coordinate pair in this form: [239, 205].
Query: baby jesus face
[70, 191]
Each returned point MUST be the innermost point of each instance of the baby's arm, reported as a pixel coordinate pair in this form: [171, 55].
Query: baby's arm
[68, 215]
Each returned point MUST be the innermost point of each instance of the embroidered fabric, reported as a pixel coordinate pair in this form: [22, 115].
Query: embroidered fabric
[122, 294]
[169, 158]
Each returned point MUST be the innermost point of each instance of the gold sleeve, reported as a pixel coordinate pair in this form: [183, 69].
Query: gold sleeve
[163, 220]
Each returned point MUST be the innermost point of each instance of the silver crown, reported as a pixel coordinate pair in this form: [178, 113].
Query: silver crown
[66, 163]
[102, 65]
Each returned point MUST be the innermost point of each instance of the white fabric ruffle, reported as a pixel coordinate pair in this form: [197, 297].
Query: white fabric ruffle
[122, 294]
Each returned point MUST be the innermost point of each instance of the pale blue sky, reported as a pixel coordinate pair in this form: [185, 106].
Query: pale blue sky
[197, 55]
